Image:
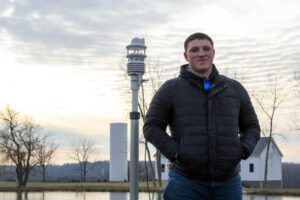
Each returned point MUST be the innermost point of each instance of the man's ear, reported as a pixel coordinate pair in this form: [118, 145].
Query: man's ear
[185, 56]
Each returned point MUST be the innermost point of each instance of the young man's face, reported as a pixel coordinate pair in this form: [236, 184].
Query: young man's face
[200, 55]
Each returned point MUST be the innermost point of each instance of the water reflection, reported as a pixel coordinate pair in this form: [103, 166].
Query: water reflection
[80, 195]
[151, 196]
[107, 196]
[257, 197]
[118, 196]
[265, 197]
[142, 196]
[19, 195]
[22, 196]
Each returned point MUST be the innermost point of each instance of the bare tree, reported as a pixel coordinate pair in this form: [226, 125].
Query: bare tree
[156, 72]
[19, 142]
[83, 152]
[296, 124]
[143, 107]
[239, 75]
[45, 154]
[269, 100]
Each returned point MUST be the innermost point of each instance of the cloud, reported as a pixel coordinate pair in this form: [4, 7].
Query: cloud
[68, 52]
[76, 32]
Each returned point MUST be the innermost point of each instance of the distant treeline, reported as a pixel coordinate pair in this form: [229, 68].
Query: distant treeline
[70, 172]
[100, 173]
[291, 175]
[61, 173]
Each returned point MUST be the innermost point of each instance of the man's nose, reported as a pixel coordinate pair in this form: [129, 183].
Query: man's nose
[201, 52]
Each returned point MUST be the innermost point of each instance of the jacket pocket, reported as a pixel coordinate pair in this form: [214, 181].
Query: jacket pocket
[240, 154]
[193, 154]
[181, 152]
[182, 156]
[229, 156]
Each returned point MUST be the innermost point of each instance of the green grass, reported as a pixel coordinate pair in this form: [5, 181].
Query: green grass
[275, 191]
[90, 186]
[122, 187]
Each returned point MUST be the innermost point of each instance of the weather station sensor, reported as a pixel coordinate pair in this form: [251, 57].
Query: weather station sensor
[136, 53]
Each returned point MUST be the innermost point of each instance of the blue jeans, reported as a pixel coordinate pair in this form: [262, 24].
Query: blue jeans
[181, 188]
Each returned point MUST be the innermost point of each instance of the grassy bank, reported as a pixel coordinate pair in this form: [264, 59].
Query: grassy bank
[91, 186]
[122, 187]
[284, 191]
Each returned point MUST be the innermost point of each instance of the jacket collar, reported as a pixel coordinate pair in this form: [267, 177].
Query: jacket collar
[214, 77]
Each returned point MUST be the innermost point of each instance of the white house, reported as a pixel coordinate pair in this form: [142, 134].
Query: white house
[164, 167]
[252, 170]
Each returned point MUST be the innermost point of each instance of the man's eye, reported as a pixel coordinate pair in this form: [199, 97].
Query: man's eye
[206, 48]
[194, 50]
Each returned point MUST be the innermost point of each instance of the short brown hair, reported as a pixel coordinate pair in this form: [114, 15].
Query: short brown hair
[199, 36]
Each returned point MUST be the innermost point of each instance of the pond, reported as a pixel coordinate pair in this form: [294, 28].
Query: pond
[107, 196]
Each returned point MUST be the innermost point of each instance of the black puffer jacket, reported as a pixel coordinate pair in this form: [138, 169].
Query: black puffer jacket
[210, 129]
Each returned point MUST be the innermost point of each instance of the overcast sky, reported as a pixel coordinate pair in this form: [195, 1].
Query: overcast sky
[60, 59]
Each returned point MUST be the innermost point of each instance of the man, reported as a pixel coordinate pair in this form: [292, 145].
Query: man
[213, 126]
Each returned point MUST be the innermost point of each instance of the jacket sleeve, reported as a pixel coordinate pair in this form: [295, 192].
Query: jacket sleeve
[157, 119]
[248, 124]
